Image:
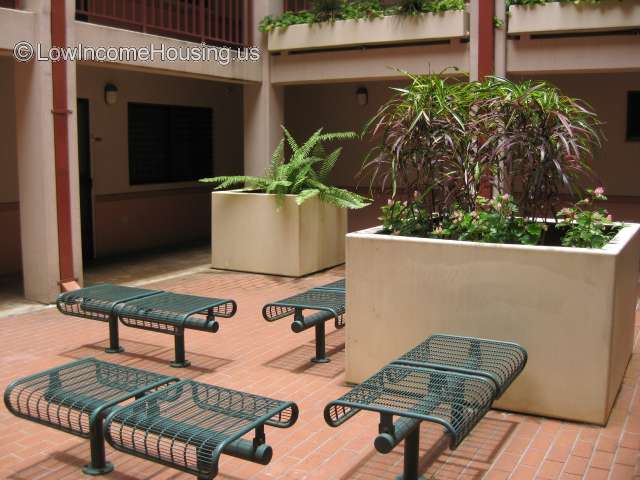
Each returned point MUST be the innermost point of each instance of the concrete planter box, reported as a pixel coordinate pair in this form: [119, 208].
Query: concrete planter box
[389, 29]
[249, 233]
[573, 310]
[557, 17]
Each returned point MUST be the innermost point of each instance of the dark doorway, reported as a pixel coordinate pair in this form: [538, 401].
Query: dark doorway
[86, 184]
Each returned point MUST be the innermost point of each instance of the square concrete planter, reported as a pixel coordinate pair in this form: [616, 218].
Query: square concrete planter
[573, 310]
[557, 17]
[250, 233]
[389, 29]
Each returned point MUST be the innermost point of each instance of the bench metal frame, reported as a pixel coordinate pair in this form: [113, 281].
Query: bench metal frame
[25, 399]
[154, 310]
[148, 425]
[98, 302]
[465, 374]
[327, 302]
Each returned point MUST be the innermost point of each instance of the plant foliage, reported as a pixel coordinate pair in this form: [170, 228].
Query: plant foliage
[303, 175]
[331, 10]
[445, 145]
[587, 227]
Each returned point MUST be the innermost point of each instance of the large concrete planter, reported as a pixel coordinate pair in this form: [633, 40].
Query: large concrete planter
[557, 17]
[250, 233]
[389, 29]
[573, 310]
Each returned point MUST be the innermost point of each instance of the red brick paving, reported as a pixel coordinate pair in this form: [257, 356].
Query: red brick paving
[268, 359]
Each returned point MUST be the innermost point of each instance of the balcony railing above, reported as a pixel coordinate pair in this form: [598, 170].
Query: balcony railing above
[214, 22]
[10, 3]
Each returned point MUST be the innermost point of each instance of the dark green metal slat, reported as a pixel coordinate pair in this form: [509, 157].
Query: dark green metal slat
[190, 424]
[454, 400]
[176, 309]
[75, 397]
[98, 301]
[501, 362]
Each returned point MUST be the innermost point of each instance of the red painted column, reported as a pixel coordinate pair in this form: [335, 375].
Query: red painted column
[486, 13]
[61, 148]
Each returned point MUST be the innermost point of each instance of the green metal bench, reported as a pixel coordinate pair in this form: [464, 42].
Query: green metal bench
[448, 380]
[327, 302]
[154, 310]
[172, 313]
[98, 302]
[188, 426]
[76, 398]
[183, 424]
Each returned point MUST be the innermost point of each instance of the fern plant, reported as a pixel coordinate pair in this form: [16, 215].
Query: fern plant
[303, 175]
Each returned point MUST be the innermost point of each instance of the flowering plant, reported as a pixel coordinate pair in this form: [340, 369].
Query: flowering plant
[585, 226]
[494, 221]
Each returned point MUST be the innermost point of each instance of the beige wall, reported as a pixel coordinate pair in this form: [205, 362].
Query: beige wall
[618, 162]
[334, 106]
[9, 211]
[129, 217]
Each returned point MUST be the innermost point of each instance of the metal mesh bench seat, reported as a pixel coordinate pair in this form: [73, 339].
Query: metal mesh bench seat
[76, 397]
[501, 362]
[327, 302]
[337, 285]
[98, 302]
[448, 380]
[190, 424]
[172, 313]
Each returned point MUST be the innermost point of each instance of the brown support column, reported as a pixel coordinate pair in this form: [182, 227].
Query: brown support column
[486, 12]
[61, 149]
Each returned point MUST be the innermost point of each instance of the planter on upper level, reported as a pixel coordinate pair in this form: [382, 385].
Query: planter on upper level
[386, 30]
[573, 309]
[251, 233]
[555, 17]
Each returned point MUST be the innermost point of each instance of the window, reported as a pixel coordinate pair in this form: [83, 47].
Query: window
[169, 143]
[633, 116]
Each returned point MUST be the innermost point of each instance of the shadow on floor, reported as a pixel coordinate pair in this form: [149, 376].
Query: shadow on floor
[298, 360]
[436, 460]
[152, 357]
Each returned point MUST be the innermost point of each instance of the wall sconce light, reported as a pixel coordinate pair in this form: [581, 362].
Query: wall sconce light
[362, 94]
[110, 94]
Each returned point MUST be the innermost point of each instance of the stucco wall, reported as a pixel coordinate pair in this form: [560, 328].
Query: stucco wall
[334, 106]
[130, 217]
[9, 212]
[618, 162]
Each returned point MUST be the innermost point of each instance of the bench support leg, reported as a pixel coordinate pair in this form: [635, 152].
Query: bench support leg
[99, 464]
[114, 336]
[411, 456]
[321, 353]
[180, 360]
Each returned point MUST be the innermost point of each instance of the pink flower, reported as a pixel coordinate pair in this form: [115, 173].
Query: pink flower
[598, 191]
[390, 202]
[506, 197]
[609, 218]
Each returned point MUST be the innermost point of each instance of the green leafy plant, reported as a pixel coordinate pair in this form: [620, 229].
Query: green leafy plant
[495, 221]
[444, 144]
[327, 10]
[402, 218]
[302, 175]
[331, 10]
[587, 227]
[542, 2]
